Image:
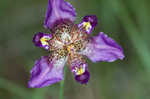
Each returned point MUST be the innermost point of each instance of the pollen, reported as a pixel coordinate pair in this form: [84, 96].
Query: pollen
[80, 70]
[87, 25]
[70, 48]
[44, 40]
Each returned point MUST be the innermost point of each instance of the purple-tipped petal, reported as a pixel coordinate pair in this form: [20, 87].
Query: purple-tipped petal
[92, 19]
[88, 23]
[58, 10]
[84, 78]
[79, 69]
[41, 40]
[103, 48]
[45, 73]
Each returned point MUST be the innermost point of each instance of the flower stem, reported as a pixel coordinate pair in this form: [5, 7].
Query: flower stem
[61, 94]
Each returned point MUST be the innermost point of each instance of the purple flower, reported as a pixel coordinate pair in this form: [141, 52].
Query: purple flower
[69, 42]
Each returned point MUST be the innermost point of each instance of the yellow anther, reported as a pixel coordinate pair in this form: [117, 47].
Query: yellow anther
[69, 47]
[80, 70]
[44, 40]
[87, 26]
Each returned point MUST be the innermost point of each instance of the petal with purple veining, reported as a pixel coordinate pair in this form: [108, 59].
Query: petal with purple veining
[58, 10]
[103, 48]
[45, 73]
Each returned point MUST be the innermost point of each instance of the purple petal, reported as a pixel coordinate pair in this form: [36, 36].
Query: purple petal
[41, 40]
[45, 73]
[58, 10]
[80, 72]
[88, 23]
[79, 69]
[103, 48]
[84, 78]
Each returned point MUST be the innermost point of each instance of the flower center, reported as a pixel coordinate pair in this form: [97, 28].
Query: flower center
[67, 39]
[70, 48]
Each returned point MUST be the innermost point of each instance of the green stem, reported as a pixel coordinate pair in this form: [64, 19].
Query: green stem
[61, 94]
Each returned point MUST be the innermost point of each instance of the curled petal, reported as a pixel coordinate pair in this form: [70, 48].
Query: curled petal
[84, 78]
[79, 69]
[88, 23]
[103, 48]
[45, 73]
[80, 73]
[58, 10]
[41, 40]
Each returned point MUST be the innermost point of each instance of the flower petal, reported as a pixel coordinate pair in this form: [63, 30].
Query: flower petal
[88, 23]
[84, 78]
[41, 40]
[80, 73]
[45, 73]
[103, 48]
[79, 68]
[58, 10]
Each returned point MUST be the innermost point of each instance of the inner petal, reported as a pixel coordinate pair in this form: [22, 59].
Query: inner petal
[88, 23]
[77, 64]
[41, 40]
[78, 67]
[83, 79]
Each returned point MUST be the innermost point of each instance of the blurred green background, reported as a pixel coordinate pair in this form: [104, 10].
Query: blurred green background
[126, 21]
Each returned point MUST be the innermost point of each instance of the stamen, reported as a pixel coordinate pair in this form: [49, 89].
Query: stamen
[44, 41]
[87, 26]
[79, 70]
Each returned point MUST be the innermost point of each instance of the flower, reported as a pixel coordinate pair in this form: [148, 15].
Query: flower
[69, 42]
